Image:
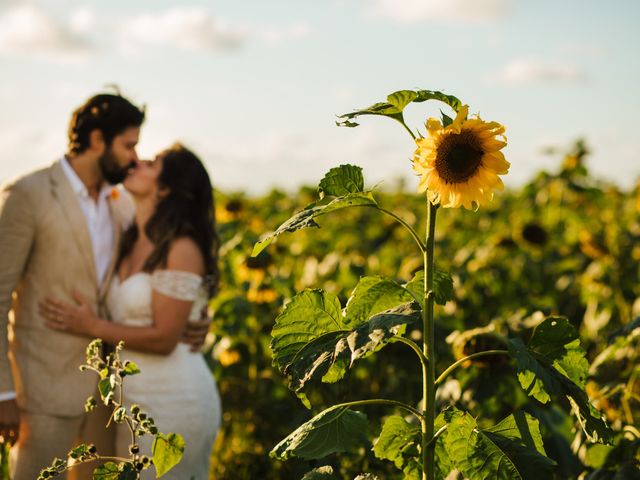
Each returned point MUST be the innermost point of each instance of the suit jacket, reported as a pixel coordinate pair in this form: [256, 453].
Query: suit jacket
[45, 250]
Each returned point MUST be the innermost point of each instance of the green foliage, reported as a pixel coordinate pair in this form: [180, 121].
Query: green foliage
[396, 103]
[336, 429]
[341, 181]
[399, 442]
[548, 366]
[442, 286]
[320, 473]
[306, 218]
[512, 449]
[312, 339]
[563, 244]
[167, 449]
[167, 452]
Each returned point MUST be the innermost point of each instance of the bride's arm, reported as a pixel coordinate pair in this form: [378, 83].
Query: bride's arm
[170, 314]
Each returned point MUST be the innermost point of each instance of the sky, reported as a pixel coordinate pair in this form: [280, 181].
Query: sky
[254, 86]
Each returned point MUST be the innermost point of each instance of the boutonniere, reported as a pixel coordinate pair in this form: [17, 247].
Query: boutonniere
[115, 194]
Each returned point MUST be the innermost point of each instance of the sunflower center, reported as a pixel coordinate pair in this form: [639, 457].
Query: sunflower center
[459, 156]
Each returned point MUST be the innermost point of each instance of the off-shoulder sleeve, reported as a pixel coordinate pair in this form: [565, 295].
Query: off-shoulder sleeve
[177, 284]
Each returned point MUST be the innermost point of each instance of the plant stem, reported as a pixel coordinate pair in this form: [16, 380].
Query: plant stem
[382, 401]
[407, 129]
[413, 233]
[455, 365]
[414, 346]
[428, 346]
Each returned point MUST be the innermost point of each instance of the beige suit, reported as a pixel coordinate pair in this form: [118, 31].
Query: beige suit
[45, 250]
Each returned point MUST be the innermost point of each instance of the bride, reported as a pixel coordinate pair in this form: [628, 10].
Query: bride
[159, 287]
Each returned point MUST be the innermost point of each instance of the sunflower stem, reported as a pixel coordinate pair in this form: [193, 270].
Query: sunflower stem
[413, 233]
[406, 127]
[428, 345]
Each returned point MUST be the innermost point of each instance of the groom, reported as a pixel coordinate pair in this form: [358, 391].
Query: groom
[59, 230]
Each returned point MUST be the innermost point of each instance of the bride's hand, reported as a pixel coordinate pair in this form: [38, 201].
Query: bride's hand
[79, 319]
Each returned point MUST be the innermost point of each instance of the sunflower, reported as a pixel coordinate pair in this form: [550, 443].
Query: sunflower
[459, 164]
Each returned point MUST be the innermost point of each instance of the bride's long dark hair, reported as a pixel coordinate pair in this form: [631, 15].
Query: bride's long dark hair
[186, 211]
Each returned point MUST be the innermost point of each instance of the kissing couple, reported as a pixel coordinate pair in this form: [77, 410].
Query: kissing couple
[82, 257]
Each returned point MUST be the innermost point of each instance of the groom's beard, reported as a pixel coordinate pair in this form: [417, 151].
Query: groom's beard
[112, 172]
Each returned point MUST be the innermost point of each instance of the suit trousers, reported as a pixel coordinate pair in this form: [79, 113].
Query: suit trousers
[45, 437]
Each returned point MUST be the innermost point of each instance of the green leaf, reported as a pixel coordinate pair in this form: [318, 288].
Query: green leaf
[320, 473]
[446, 119]
[336, 429]
[306, 317]
[306, 218]
[342, 180]
[506, 451]
[443, 465]
[105, 387]
[424, 95]
[373, 295]
[367, 476]
[167, 452]
[545, 368]
[400, 442]
[556, 340]
[304, 352]
[130, 368]
[401, 98]
[108, 471]
[396, 103]
[128, 472]
[119, 414]
[442, 286]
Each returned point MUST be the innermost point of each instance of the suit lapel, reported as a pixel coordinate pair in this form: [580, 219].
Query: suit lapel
[76, 222]
[116, 224]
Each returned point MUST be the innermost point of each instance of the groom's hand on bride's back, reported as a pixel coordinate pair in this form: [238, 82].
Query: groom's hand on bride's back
[195, 333]
[9, 421]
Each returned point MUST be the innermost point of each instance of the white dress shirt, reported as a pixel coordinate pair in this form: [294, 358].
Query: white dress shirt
[98, 216]
[100, 226]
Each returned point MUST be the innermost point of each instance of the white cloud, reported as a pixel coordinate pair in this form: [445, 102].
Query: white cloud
[28, 30]
[82, 20]
[446, 11]
[195, 28]
[530, 70]
[189, 28]
[281, 34]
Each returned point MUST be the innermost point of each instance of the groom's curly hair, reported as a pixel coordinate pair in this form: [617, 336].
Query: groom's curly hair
[186, 211]
[109, 113]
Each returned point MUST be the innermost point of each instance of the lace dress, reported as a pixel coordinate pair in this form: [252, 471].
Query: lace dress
[177, 390]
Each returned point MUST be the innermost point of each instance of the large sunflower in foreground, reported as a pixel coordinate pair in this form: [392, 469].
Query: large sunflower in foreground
[459, 164]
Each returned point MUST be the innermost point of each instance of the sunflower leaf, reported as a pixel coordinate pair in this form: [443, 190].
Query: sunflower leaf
[373, 295]
[424, 95]
[313, 341]
[442, 286]
[342, 180]
[446, 119]
[306, 218]
[400, 443]
[396, 103]
[320, 473]
[336, 429]
[401, 98]
[553, 364]
[511, 449]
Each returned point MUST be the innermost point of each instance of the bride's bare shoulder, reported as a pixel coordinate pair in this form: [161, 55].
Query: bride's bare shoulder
[185, 255]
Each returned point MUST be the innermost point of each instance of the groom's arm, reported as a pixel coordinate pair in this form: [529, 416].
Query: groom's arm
[17, 229]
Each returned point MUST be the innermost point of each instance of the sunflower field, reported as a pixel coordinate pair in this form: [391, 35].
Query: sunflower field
[531, 309]
[562, 251]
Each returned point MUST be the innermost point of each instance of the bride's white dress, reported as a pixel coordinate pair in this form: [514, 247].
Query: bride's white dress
[176, 390]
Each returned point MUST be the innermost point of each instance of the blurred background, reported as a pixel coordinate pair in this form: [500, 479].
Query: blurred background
[253, 87]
